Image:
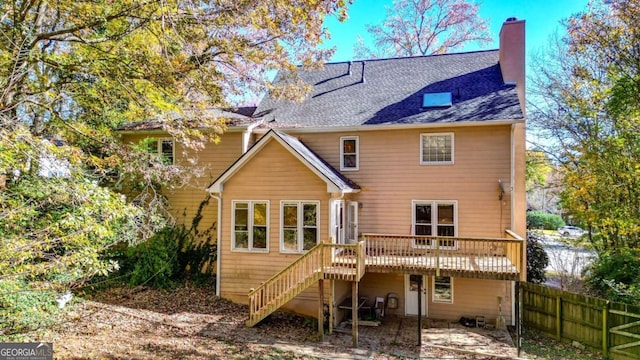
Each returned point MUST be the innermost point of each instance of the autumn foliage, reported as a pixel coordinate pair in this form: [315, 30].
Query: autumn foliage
[72, 72]
[588, 108]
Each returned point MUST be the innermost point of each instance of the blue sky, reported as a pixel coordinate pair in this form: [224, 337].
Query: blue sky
[542, 20]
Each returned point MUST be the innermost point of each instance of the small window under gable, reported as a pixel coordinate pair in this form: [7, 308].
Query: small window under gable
[349, 153]
[436, 100]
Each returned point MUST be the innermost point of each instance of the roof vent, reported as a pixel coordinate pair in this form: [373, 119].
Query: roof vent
[435, 100]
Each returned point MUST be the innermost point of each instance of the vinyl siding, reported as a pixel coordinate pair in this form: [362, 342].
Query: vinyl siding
[471, 298]
[375, 285]
[391, 176]
[212, 160]
[273, 174]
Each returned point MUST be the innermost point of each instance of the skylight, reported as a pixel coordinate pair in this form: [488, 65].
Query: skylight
[433, 100]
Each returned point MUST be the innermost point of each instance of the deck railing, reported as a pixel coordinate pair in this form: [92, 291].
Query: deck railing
[352, 265]
[314, 265]
[444, 254]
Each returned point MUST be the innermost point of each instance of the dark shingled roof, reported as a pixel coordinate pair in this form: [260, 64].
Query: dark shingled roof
[241, 116]
[391, 91]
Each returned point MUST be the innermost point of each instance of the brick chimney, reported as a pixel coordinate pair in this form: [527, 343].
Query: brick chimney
[512, 55]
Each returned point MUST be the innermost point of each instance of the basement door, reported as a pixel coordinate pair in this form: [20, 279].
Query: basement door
[411, 294]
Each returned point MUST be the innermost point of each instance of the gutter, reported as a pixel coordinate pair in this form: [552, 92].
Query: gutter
[164, 132]
[218, 197]
[328, 129]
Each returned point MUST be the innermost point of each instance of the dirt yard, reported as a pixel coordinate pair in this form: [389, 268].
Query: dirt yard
[192, 323]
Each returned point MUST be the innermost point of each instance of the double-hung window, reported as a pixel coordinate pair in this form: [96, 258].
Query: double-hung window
[436, 149]
[164, 148]
[434, 218]
[251, 226]
[349, 153]
[300, 225]
[442, 289]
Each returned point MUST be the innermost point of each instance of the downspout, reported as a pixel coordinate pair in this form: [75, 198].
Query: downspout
[512, 223]
[332, 288]
[513, 177]
[218, 197]
[246, 135]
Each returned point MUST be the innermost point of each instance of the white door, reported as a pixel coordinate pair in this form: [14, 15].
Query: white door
[352, 222]
[411, 294]
[338, 222]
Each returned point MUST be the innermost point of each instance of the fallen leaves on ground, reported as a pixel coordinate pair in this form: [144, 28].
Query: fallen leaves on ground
[192, 323]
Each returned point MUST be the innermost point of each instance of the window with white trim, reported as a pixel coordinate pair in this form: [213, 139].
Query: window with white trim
[436, 148]
[349, 153]
[442, 289]
[250, 226]
[434, 218]
[164, 148]
[299, 224]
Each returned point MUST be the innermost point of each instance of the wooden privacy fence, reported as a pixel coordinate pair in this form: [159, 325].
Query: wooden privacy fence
[610, 327]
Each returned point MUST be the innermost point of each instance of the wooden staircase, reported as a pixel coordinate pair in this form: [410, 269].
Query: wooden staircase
[315, 265]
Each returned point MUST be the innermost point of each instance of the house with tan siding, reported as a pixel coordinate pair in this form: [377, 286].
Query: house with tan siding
[395, 181]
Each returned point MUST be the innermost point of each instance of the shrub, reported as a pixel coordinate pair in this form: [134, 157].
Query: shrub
[537, 259]
[24, 308]
[615, 275]
[153, 262]
[541, 220]
[174, 253]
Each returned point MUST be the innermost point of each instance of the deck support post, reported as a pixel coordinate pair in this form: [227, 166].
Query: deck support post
[331, 305]
[420, 310]
[354, 313]
[321, 309]
[518, 314]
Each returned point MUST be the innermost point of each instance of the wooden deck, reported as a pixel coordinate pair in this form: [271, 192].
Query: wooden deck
[496, 258]
[484, 258]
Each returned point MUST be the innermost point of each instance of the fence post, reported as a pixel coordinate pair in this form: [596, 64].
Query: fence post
[605, 330]
[558, 317]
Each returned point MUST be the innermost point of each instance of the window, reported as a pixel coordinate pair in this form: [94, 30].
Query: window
[299, 224]
[250, 225]
[436, 148]
[349, 153]
[434, 218]
[442, 289]
[164, 148]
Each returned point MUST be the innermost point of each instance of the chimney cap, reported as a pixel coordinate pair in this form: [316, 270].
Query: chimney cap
[510, 19]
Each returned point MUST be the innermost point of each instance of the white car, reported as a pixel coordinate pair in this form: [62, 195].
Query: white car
[571, 231]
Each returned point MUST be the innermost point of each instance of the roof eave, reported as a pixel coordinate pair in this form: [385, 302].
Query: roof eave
[325, 129]
[162, 131]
